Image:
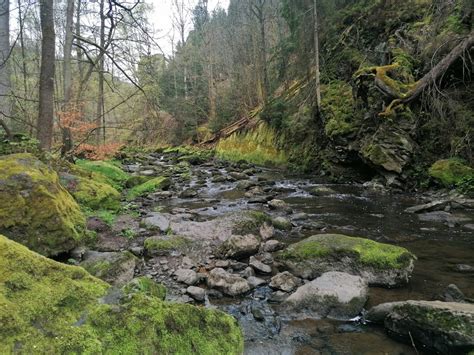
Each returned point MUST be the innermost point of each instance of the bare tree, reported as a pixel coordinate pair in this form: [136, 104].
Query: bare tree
[46, 85]
[180, 21]
[317, 81]
[258, 9]
[100, 97]
[5, 83]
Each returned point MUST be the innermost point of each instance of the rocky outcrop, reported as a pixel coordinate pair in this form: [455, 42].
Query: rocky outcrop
[51, 308]
[380, 264]
[333, 294]
[35, 209]
[445, 327]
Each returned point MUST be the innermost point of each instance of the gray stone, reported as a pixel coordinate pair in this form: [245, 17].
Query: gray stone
[255, 281]
[259, 266]
[334, 295]
[187, 276]
[198, 293]
[285, 281]
[427, 207]
[267, 231]
[156, 220]
[277, 204]
[229, 284]
[272, 246]
[248, 272]
[282, 223]
[116, 268]
[240, 246]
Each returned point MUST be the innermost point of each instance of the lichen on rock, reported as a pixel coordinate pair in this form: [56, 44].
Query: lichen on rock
[36, 210]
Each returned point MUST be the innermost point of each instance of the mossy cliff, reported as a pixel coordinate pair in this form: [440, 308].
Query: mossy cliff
[35, 209]
[47, 307]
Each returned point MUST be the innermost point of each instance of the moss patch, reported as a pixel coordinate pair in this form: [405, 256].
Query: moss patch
[50, 308]
[251, 223]
[113, 173]
[338, 105]
[165, 244]
[146, 286]
[91, 194]
[35, 209]
[258, 146]
[451, 172]
[153, 185]
[368, 252]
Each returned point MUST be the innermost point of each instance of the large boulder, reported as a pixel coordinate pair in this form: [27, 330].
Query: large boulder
[445, 327]
[50, 308]
[35, 209]
[380, 264]
[333, 294]
[116, 268]
[228, 283]
[89, 193]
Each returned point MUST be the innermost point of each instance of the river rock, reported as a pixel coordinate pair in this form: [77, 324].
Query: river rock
[187, 276]
[239, 246]
[117, 268]
[255, 281]
[228, 283]
[285, 281]
[445, 327]
[334, 295]
[452, 293]
[267, 231]
[277, 204]
[282, 223]
[380, 264]
[427, 207]
[198, 293]
[259, 266]
[157, 221]
[237, 175]
[245, 184]
[271, 246]
[443, 217]
[35, 210]
[188, 193]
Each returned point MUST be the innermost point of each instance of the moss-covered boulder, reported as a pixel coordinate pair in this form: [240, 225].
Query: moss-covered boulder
[451, 171]
[164, 245]
[116, 268]
[380, 264]
[91, 194]
[50, 308]
[153, 185]
[113, 174]
[35, 210]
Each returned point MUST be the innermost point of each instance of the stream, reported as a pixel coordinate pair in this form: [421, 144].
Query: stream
[205, 192]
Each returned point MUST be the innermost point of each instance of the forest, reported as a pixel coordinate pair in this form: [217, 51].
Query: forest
[236, 177]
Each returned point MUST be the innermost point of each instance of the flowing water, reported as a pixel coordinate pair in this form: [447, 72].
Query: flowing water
[347, 209]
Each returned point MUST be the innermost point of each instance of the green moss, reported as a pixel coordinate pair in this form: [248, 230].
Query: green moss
[251, 223]
[258, 146]
[146, 286]
[451, 171]
[110, 267]
[106, 216]
[50, 308]
[338, 105]
[369, 252]
[164, 245]
[136, 180]
[91, 194]
[35, 209]
[113, 173]
[153, 185]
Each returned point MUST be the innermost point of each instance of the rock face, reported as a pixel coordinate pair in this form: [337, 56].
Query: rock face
[334, 295]
[35, 209]
[231, 285]
[116, 268]
[380, 264]
[240, 246]
[77, 311]
[90, 193]
[446, 327]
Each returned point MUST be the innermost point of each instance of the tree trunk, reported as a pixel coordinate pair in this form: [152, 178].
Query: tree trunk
[317, 81]
[5, 83]
[67, 72]
[100, 97]
[23, 54]
[46, 85]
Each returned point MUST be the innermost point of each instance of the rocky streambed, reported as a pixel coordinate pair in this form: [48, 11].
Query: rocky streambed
[296, 260]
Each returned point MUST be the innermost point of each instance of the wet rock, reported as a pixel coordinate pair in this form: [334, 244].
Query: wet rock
[299, 216]
[443, 217]
[258, 313]
[198, 293]
[282, 223]
[237, 176]
[259, 266]
[380, 264]
[188, 193]
[248, 272]
[464, 268]
[245, 184]
[452, 294]
[187, 276]
[156, 221]
[239, 246]
[445, 327]
[278, 297]
[256, 200]
[267, 231]
[334, 295]
[115, 268]
[272, 246]
[285, 281]
[255, 281]
[321, 190]
[277, 204]
[97, 225]
[219, 178]
[222, 263]
[162, 194]
[427, 207]
[230, 284]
